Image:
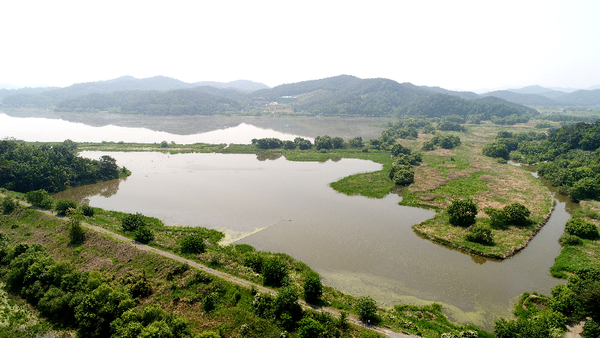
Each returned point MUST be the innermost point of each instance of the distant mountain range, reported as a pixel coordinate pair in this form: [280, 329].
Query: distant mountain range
[541, 96]
[129, 83]
[339, 95]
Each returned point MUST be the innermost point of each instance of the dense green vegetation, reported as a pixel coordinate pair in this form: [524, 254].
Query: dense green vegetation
[540, 316]
[440, 105]
[26, 167]
[569, 157]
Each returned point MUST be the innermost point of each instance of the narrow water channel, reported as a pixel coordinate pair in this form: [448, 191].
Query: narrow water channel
[359, 245]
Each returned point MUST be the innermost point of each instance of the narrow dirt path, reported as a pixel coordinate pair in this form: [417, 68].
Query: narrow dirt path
[230, 278]
[574, 330]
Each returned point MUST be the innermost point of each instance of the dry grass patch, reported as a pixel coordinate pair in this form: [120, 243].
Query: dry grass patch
[489, 184]
[427, 178]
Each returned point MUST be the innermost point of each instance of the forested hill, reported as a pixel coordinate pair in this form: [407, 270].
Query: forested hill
[342, 95]
[440, 105]
[345, 95]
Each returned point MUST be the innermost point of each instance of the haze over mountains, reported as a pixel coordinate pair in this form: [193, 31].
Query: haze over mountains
[339, 95]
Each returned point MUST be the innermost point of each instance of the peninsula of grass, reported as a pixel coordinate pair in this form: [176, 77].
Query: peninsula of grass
[463, 172]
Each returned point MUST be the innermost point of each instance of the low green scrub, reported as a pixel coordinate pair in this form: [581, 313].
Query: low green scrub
[581, 248]
[463, 187]
[579, 227]
[17, 320]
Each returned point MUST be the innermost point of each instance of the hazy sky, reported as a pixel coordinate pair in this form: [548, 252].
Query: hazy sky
[457, 44]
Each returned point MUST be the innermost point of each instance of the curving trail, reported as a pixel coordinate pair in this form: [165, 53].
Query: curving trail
[230, 278]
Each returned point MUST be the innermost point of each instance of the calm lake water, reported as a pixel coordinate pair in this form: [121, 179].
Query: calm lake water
[359, 245]
[55, 130]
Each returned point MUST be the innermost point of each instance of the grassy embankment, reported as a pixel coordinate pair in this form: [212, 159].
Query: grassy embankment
[585, 255]
[177, 288]
[174, 288]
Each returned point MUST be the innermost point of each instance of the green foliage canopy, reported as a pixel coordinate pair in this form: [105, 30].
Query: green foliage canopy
[462, 212]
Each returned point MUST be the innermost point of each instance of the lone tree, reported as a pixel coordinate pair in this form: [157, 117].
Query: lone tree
[76, 232]
[323, 142]
[313, 288]
[8, 205]
[462, 212]
[496, 150]
[193, 244]
[63, 205]
[132, 222]
[517, 213]
[143, 235]
[366, 308]
[274, 270]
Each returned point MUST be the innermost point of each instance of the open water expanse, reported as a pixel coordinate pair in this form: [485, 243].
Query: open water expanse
[359, 245]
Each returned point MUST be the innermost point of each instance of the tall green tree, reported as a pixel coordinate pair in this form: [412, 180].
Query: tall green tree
[462, 212]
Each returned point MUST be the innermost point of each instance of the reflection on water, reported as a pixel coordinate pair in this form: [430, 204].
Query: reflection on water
[104, 189]
[359, 245]
[54, 130]
[267, 156]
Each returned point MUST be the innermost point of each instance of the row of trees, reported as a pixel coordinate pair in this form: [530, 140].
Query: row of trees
[26, 167]
[321, 142]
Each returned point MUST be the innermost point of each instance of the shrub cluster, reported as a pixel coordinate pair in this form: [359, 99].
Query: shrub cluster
[581, 228]
[135, 223]
[446, 141]
[193, 244]
[93, 303]
[462, 212]
[62, 206]
[480, 233]
[515, 213]
[8, 205]
[568, 239]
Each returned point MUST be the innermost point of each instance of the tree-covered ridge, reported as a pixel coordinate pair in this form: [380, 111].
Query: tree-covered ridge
[26, 167]
[342, 95]
[346, 95]
[440, 105]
